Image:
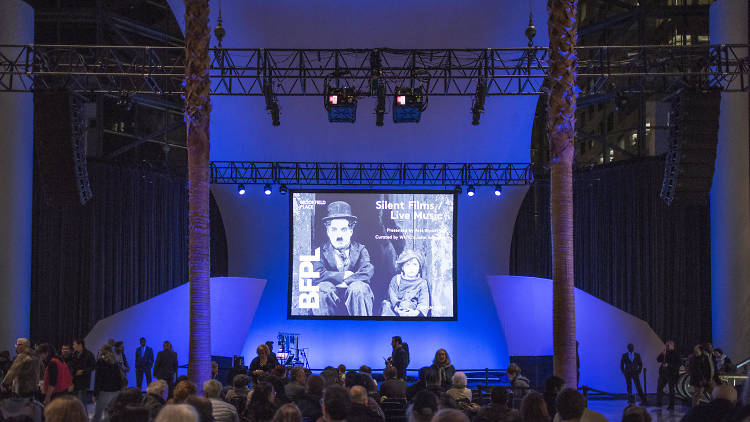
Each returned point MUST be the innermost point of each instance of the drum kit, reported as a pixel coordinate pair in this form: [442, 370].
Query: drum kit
[290, 354]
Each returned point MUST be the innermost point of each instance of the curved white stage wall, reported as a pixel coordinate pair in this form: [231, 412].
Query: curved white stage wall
[234, 301]
[524, 308]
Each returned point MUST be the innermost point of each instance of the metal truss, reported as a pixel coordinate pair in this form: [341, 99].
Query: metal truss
[370, 174]
[306, 72]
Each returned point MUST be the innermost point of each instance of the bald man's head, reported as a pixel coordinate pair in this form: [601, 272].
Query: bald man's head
[725, 392]
[358, 394]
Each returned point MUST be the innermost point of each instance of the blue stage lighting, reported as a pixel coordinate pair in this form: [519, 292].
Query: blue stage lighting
[408, 105]
[458, 189]
[341, 104]
[241, 189]
[498, 190]
[267, 189]
[470, 191]
[283, 189]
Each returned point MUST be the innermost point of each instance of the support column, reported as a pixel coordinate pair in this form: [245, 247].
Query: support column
[16, 161]
[730, 199]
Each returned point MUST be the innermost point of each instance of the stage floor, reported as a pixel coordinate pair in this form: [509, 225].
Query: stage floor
[612, 410]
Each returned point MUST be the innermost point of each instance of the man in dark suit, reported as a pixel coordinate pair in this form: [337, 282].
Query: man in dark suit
[344, 268]
[631, 366]
[165, 366]
[144, 360]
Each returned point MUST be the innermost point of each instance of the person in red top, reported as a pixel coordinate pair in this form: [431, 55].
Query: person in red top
[57, 379]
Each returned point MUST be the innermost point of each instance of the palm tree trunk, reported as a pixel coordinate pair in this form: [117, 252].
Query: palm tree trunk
[197, 113]
[561, 121]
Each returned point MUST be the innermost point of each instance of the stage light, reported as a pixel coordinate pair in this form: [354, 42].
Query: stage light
[267, 189]
[283, 189]
[470, 191]
[408, 105]
[380, 106]
[498, 190]
[458, 189]
[341, 104]
[477, 106]
[241, 189]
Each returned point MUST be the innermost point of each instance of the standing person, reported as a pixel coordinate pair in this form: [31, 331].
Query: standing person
[271, 354]
[144, 360]
[700, 373]
[708, 350]
[631, 366]
[57, 379]
[81, 366]
[66, 354]
[107, 381]
[23, 376]
[400, 356]
[4, 363]
[165, 366]
[119, 350]
[443, 367]
[344, 267]
[516, 379]
[669, 370]
[261, 363]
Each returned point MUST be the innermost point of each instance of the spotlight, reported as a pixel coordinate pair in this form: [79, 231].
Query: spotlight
[283, 189]
[477, 106]
[408, 105]
[241, 189]
[341, 104]
[458, 189]
[498, 190]
[267, 189]
[470, 191]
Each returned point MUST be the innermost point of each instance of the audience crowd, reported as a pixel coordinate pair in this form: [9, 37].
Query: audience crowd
[40, 384]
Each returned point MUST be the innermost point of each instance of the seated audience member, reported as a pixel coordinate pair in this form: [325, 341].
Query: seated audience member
[498, 409]
[721, 407]
[552, 387]
[450, 415]
[330, 377]
[634, 413]
[183, 390]
[65, 409]
[22, 377]
[309, 403]
[516, 379]
[359, 411]
[534, 408]
[123, 407]
[178, 413]
[441, 364]
[336, 404]
[16, 408]
[366, 373]
[237, 395]
[459, 390]
[570, 405]
[423, 407]
[155, 398]
[214, 370]
[278, 387]
[287, 413]
[296, 387]
[261, 406]
[393, 387]
[203, 406]
[221, 410]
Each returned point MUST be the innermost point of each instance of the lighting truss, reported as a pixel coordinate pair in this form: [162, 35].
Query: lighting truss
[303, 72]
[370, 174]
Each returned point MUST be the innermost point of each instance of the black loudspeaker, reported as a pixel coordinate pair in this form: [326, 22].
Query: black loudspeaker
[60, 148]
[693, 136]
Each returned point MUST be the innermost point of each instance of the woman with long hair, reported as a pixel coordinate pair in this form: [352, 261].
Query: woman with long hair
[288, 413]
[534, 408]
[107, 380]
[261, 407]
[444, 368]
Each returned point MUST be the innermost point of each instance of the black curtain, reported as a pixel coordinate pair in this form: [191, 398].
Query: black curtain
[127, 245]
[631, 249]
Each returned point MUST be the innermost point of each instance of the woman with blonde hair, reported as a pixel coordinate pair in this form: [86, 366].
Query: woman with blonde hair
[65, 409]
[443, 367]
[107, 380]
[261, 363]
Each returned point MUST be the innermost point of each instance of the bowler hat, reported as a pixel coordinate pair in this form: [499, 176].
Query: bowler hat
[339, 209]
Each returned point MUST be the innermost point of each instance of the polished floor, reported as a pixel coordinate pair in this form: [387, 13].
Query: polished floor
[612, 410]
